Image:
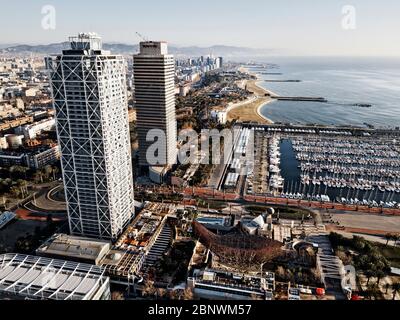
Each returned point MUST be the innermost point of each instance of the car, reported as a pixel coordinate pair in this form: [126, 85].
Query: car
[306, 291]
[320, 292]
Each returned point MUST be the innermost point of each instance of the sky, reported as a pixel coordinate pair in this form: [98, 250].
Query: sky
[291, 27]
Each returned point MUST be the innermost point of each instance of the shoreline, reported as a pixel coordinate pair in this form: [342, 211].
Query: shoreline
[250, 110]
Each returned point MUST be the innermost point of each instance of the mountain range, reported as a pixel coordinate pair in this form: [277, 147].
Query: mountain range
[120, 48]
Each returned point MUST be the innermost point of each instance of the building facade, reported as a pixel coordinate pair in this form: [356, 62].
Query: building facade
[154, 77]
[89, 94]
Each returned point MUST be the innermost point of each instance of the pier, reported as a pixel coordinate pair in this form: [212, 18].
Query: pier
[310, 99]
[271, 73]
[273, 80]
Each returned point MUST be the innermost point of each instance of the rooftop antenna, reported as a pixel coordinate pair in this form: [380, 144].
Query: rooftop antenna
[142, 37]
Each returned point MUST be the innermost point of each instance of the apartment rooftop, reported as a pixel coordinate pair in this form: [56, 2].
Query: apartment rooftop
[235, 284]
[74, 248]
[86, 41]
[154, 48]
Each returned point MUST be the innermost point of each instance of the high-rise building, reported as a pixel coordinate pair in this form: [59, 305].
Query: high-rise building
[89, 94]
[219, 62]
[154, 73]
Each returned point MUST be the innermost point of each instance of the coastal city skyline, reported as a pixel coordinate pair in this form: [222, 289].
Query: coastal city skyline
[220, 175]
[315, 28]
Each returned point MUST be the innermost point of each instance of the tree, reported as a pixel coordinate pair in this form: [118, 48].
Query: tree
[379, 275]
[373, 291]
[188, 294]
[47, 171]
[388, 237]
[18, 171]
[15, 192]
[23, 185]
[395, 289]
[369, 274]
[162, 293]
[149, 290]
[55, 172]
[116, 295]
[396, 238]
[38, 176]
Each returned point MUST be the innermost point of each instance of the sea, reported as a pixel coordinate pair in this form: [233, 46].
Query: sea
[345, 82]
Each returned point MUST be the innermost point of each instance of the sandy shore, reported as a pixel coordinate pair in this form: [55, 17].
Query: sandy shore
[251, 110]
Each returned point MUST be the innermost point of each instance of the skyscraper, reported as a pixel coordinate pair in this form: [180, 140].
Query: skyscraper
[89, 94]
[154, 75]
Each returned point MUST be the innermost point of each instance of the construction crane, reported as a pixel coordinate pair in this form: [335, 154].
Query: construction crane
[142, 37]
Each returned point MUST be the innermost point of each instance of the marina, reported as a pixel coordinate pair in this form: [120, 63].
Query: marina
[345, 165]
[348, 171]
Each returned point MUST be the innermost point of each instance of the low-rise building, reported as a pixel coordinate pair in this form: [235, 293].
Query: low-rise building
[37, 278]
[157, 174]
[37, 158]
[10, 159]
[221, 285]
[219, 116]
[72, 248]
[31, 131]
[43, 156]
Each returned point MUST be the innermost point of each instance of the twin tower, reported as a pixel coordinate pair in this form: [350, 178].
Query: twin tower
[89, 95]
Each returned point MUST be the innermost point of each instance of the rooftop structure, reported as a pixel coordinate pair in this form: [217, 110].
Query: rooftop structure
[238, 249]
[36, 278]
[216, 284]
[122, 265]
[74, 248]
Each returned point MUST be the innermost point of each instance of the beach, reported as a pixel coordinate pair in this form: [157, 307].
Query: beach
[249, 110]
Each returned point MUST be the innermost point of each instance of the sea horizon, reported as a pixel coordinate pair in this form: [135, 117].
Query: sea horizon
[346, 83]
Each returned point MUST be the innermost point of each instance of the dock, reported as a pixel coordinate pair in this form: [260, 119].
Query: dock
[310, 99]
[288, 81]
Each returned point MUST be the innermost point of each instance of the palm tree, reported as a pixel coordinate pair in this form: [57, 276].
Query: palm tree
[369, 274]
[55, 172]
[15, 192]
[149, 290]
[188, 294]
[373, 291]
[388, 237]
[379, 275]
[395, 289]
[23, 185]
[38, 176]
[396, 238]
